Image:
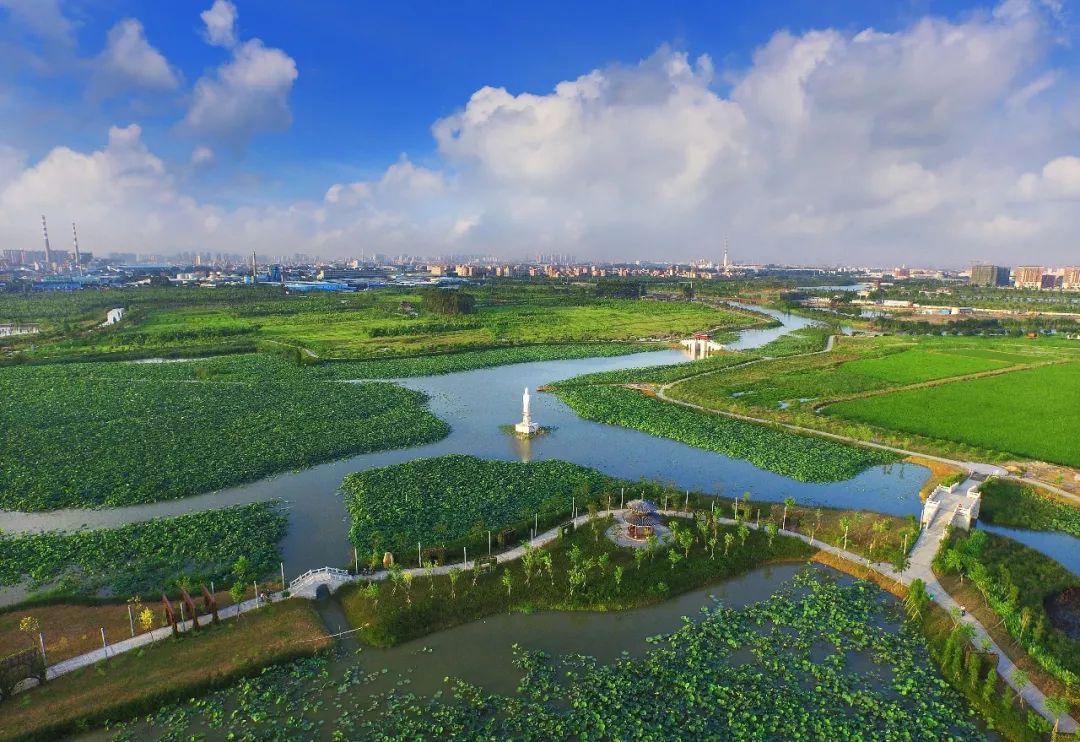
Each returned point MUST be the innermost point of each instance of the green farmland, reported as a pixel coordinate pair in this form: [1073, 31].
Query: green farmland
[371, 324]
[1030, 413]
[856, 366]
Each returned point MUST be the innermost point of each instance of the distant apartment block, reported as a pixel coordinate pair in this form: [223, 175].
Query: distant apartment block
[1050, 281]
[1029, 277]
[1070, 279]
[989, 275]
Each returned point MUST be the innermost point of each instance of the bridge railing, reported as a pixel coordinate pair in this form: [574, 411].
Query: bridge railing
[327, 571]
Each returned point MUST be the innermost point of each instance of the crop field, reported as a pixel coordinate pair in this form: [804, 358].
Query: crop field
[804, 458]
[364, 325]
[914, 366]
[448, 499]
[144, 558]
[1033, 413]
[118, 434]
[755, 672]
[856, 366]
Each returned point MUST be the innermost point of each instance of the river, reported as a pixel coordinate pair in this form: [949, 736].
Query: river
[475, 404]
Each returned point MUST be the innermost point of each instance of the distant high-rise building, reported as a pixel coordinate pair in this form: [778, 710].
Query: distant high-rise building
[1071, 278]
[989, 275]
[1050, 281]
[1029, 276]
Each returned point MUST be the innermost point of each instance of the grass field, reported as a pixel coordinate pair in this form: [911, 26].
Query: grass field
[362, 325]
[856, 366]
[914, 366]
[1033, 413]
[170, 670]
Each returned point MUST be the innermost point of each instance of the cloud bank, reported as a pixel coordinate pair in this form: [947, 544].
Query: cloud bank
[943, 142]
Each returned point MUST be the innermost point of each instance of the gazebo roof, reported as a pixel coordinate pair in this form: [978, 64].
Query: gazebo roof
[641, 506]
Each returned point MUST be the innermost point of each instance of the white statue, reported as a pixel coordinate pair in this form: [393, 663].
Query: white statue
[526, 426]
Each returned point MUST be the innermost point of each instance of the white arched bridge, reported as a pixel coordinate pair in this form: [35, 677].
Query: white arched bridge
[308, 584]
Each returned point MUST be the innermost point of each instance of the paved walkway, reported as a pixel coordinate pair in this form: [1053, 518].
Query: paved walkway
[922, 555]
[142, 640]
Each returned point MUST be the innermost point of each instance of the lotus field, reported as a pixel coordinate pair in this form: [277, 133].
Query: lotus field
[818, 660]
[85, 436]
[450, 499]
[807, 459]
[143, 558]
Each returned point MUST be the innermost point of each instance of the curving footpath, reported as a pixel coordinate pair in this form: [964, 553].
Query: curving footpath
[922, 555]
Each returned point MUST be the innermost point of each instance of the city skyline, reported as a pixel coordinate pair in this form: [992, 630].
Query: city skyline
[942, 137]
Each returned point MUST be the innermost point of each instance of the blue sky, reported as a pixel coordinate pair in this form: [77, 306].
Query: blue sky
[310, 126]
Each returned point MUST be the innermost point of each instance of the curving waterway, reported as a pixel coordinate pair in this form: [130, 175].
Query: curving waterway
[475, 404]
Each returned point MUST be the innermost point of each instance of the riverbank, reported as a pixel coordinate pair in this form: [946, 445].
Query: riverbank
[583, 570]
[168, 671]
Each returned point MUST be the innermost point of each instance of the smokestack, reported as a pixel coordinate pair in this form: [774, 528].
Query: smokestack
[75, 238]
[253, 279]
[45, 231]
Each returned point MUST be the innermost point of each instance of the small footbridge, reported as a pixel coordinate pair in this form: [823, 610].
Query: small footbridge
[317, 583]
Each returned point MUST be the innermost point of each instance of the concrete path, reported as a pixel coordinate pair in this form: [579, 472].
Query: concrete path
[922, 555]
[142, 640]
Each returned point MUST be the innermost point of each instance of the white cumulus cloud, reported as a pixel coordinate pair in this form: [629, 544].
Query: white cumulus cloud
[936, 142]
[220, 20]
[129, 61]
[246, 96]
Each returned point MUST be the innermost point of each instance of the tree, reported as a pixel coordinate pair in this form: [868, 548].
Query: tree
[639, 557]
[507, 581]
[618, 575]
[901, 564]
[702, 523]
[728, 541]
[917, 598]
[652, 543]
[549, 566]
[712, 547]
[429, 572]
[371, 592]
[1058, 706]
[788, 502]
[686, 540]
[236, 592]
[146, 619]
[744, 533]
[395, 577]
[771, 531]
[845, 523]
[244, 576]
[454, 574]
[674, 557]
[1020, 681]
[954, 562]
[406, 580]
[594, 523]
